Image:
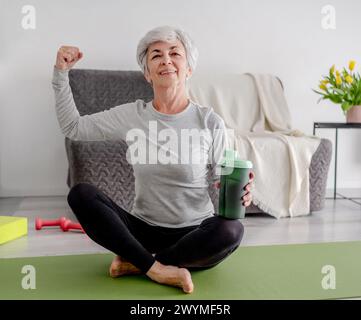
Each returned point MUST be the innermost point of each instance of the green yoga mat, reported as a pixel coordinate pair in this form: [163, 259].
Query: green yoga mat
[262, 272]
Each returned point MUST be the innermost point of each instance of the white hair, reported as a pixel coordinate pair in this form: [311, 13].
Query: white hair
[166, 34]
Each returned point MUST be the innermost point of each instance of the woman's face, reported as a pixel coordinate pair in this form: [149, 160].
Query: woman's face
[167, 64]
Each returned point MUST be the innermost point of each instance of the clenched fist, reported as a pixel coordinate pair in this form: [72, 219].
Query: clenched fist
[67, 56]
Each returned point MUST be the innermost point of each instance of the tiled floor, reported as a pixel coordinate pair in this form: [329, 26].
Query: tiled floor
[340, 220]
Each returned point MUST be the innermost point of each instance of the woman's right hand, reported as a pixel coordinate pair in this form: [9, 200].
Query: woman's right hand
[67, 56]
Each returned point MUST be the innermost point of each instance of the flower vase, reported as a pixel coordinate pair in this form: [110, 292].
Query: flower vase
[353, 115]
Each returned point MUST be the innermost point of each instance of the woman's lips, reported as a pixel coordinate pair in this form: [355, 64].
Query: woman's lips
[166, 73]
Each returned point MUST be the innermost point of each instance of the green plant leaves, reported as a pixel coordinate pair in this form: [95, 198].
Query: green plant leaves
[345, 93]
[345, 106]
[339, 91]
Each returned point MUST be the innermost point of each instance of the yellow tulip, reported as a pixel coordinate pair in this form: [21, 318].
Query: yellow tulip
[338, 80]
[332, 70]
[322, 86]
[324, 81]
[351, 65]
[349, 79]
[337, 73]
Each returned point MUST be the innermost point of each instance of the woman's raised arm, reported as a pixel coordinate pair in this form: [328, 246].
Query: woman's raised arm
[110, 124]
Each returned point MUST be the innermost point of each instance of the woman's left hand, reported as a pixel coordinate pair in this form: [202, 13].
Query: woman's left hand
[247, 197]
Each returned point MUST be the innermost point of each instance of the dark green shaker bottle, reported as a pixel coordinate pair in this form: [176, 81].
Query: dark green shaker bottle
[234, 177]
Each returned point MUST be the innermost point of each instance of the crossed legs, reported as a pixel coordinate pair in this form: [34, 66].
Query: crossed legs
[175, 250]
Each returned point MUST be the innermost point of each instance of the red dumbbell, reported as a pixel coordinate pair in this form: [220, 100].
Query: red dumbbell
[67, 224]
[39, 223]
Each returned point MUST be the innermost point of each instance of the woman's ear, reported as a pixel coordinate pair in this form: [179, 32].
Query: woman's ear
[189, 73]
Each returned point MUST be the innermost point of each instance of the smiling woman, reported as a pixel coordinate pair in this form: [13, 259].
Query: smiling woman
[173, 225]
[167, 70]
[167, 57]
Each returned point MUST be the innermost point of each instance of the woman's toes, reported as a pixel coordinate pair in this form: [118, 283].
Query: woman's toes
[187, 283]
[120, 267]
[115, 267]
[113, 272]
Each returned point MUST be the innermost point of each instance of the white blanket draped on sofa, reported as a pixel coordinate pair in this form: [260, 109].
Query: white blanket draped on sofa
[254, 106]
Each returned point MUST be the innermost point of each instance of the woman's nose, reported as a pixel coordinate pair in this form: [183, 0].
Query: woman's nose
[166, 59]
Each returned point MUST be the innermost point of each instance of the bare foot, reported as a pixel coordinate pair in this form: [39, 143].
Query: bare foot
[120, 267]
[171, 275]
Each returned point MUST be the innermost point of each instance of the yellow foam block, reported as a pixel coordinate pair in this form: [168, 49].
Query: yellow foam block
[12, 228]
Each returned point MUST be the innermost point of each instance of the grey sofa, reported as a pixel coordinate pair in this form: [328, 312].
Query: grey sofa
[104, 164]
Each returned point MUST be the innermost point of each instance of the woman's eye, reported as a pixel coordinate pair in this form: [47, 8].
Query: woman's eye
[173, 54]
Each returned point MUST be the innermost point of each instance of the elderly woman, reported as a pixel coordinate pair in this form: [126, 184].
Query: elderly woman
[172, 227]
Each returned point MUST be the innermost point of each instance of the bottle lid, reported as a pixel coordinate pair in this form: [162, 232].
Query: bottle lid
[232, 159]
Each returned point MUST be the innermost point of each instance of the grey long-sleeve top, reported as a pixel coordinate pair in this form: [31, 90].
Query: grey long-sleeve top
[171, 188]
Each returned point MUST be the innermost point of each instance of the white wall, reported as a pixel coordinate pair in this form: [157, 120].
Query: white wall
[280, 36]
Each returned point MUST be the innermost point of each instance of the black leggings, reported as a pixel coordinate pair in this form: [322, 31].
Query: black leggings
[195, 247]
